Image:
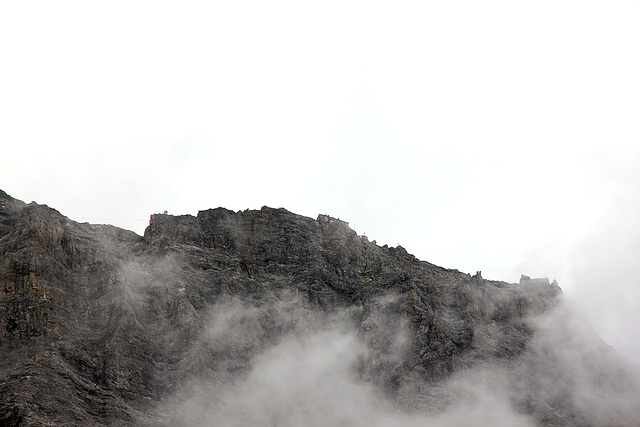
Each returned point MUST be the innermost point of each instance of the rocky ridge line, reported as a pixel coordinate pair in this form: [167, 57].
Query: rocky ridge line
[116, 323]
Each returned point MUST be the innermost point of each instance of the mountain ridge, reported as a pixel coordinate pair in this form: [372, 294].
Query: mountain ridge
[122, 326]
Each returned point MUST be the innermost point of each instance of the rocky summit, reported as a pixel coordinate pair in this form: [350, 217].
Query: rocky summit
[268, 318]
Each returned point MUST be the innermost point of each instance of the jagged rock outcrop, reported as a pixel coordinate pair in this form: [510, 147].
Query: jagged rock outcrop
[101, 326]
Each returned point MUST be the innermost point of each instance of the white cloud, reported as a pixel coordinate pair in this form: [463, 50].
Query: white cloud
[309, 376]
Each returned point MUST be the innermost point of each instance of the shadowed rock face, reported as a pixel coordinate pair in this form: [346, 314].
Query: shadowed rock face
[101, 326]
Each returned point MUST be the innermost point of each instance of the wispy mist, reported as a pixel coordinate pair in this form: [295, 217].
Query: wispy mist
[316, 370]
[598, 269]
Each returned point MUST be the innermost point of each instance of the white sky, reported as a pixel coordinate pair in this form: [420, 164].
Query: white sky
[500, 136]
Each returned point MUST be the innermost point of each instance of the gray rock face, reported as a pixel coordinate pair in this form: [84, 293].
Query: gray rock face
[100, 326]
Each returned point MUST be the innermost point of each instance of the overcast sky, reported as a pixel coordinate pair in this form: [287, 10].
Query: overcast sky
[501, 136]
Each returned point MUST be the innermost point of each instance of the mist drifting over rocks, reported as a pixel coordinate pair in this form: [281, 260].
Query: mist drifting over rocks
[270, 318]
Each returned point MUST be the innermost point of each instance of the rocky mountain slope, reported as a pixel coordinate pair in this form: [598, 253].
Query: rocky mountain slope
[270, 318]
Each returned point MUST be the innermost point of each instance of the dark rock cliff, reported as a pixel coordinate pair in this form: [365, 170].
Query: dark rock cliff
[101, 326]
